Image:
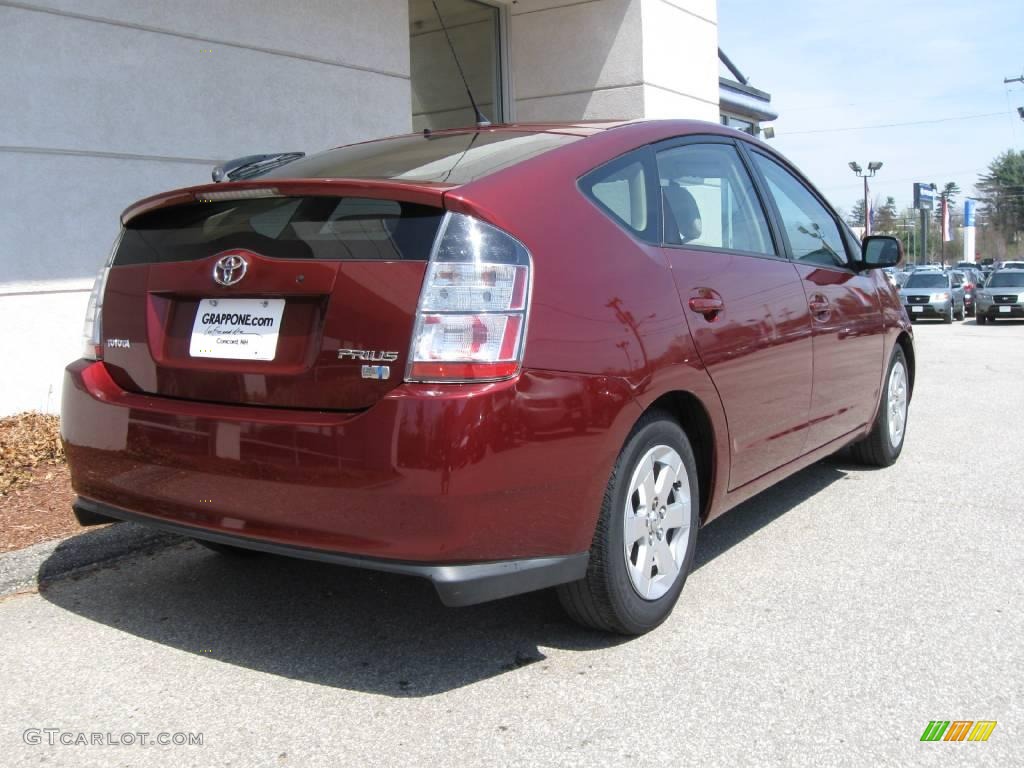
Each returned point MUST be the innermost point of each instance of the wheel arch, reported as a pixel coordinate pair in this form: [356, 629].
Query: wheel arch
[907, 345]
[692, 415]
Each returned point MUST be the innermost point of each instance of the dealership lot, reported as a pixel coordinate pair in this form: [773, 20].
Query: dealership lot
[828, 621]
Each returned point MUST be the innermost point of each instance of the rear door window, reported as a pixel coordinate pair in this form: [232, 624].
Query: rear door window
[709, 200]
[340, 229]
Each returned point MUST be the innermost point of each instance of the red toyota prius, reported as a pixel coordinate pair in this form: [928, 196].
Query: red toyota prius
[502, 359]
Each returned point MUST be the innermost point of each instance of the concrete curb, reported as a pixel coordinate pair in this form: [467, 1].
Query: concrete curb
[52, 560]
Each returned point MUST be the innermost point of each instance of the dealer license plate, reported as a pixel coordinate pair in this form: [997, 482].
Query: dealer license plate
[238, 329]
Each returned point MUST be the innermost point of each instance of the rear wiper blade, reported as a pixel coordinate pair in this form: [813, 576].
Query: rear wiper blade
[252, 165]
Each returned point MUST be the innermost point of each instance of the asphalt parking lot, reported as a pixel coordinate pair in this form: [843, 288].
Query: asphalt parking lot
[827, 622]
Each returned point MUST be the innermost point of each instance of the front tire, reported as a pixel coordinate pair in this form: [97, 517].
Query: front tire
[948, 317]
[646, 534]
[884, 443]
[980, 319]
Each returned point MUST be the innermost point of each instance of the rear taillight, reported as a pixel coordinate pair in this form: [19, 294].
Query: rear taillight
[92, 333]
[471, 320]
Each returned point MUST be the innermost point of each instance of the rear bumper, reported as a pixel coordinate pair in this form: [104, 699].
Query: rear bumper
[456, 585]
[429, 476]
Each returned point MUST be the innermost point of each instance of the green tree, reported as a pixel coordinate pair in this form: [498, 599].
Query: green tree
[856, 217]
[1001, 190]
[885, 217]
[948, 193]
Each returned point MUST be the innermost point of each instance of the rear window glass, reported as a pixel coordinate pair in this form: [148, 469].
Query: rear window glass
[1006, 280]
[342, 229]
[452, 158]
[927, 281]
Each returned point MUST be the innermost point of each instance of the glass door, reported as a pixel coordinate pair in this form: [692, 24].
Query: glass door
[439, 98]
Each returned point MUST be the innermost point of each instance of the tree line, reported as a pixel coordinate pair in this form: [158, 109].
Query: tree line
[1000, 215]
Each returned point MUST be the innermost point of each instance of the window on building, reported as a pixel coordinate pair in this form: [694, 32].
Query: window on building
[740, 124]
[439, 98]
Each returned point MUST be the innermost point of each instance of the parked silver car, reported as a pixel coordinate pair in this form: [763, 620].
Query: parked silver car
[931, 294]
[1002, 297]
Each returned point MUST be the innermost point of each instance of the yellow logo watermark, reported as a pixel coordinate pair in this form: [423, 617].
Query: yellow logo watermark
[958, 730]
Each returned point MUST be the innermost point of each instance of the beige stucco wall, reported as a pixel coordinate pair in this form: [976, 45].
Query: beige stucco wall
[600, 59]
[107, 101]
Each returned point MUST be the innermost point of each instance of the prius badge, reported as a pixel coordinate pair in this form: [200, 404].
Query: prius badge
[379, 372]
[229, 269]
[367, 355]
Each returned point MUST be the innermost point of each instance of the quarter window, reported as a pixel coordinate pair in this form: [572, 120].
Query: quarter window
[709, 200]
[812, 231]
[620, 188]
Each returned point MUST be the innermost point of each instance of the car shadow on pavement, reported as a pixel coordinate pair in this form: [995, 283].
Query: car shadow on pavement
[722, 533]
[358, 630]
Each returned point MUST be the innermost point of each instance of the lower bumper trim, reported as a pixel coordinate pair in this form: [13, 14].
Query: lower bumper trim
[456, 585]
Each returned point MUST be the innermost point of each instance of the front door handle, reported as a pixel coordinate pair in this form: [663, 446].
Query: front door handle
[820, 308]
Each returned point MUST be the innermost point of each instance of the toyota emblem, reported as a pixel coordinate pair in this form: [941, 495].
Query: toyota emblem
[229, 269]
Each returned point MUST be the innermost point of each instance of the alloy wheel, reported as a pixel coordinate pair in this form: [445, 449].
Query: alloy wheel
[656, 522]
[896, 402]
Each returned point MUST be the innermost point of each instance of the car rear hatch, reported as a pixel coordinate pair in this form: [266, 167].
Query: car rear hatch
[296, 295]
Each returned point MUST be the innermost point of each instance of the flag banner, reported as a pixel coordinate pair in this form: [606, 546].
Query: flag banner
[946, 234]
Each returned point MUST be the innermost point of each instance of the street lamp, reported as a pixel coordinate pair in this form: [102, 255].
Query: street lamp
[873, 168]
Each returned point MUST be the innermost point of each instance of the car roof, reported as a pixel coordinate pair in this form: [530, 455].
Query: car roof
[464, 157]
[459, 156]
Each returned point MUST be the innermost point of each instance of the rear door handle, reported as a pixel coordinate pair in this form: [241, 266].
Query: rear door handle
[709, 306]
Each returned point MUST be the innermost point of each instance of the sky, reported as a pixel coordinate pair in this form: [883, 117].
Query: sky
[845, 65]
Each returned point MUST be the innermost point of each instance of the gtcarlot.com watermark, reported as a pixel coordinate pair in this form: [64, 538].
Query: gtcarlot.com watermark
[60, 737]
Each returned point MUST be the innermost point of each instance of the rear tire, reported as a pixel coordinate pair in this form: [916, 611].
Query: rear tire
[961, 314]
[653, 498]
[884, 443]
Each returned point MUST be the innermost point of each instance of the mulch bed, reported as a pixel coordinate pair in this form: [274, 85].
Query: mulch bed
[38, 509]
[35, 487]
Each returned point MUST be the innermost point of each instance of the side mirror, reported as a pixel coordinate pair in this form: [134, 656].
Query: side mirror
[881, 251]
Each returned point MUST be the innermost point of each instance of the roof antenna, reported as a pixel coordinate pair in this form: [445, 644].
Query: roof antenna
[481, 121]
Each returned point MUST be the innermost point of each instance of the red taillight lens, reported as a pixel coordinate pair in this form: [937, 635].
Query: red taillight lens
[471, 321]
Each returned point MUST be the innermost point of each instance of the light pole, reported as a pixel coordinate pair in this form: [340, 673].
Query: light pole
[873, 168]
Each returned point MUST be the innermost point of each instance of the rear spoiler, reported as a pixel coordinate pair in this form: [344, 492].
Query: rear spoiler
[421, 192]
